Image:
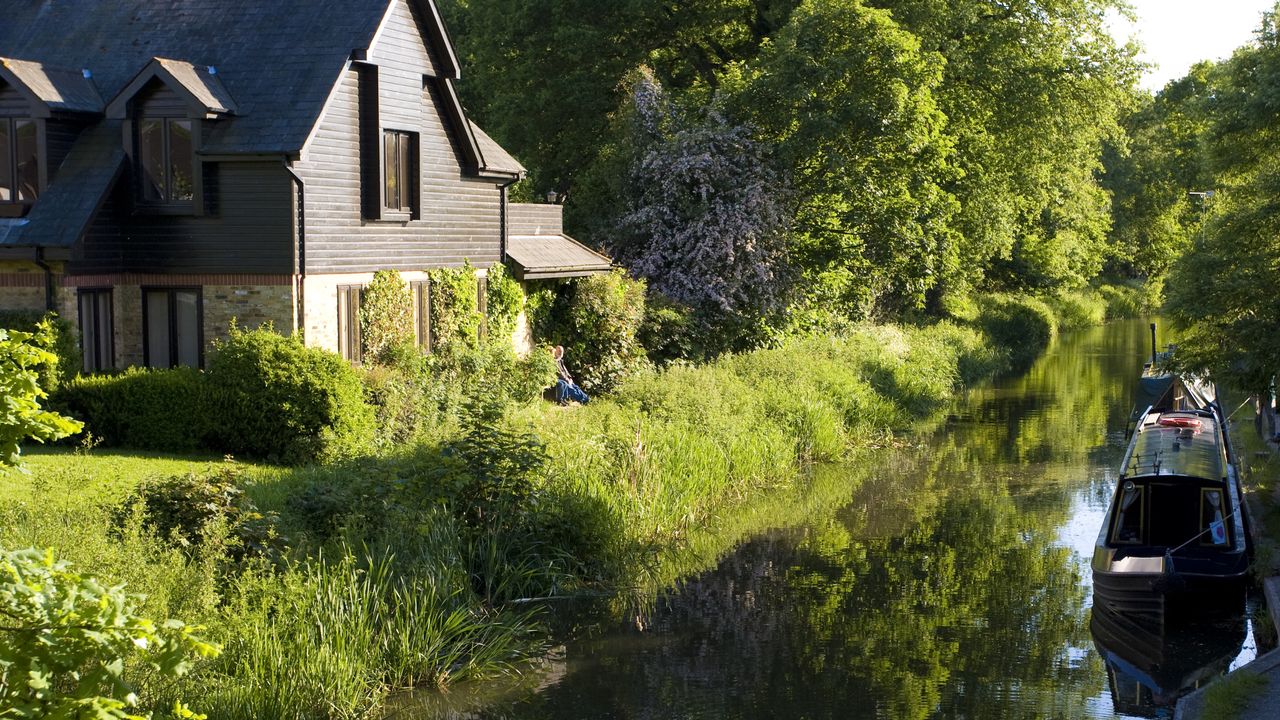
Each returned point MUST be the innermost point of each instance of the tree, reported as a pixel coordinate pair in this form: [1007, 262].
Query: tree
[69, 644]
[1030, 91]
[706, 218]
[22, 356]
[844, 95]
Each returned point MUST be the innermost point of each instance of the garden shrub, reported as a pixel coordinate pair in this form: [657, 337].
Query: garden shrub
[504, 301]
[398, 398]
[146, 409]
[454, 308]
[61, 342]
[21, 416]
[182, 508]
[669, 331]
[277, 399]
[597, 319]
[386, 316]
[72, 645]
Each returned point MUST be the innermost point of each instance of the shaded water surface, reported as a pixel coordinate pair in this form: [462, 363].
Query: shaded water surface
[950, 580]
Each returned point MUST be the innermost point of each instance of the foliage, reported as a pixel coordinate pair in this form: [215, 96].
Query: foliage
[504, 301]
[275, 398]
[1220, 295]
[1131, 300]
[63, 343]
[596, 319]
[22, 355]
[845, 97]
[1023, 325]
[1078, 309]
[455, 319]
[183, 508]
[706, 217]
[69, 641]
[143, 408]
[386, 316]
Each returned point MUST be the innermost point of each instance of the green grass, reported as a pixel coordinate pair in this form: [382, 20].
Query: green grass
[1228, 697]
[400, 585]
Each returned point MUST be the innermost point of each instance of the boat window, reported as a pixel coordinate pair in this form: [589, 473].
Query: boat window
[1212, 520]
[1128, 527]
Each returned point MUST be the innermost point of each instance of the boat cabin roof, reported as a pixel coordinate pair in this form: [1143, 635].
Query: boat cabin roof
[1177, 443]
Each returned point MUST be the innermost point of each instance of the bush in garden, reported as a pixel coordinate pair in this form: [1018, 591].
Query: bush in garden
[141, 408]
[69, 644]
[183, 507]
[597, 319]
[504, 301]
[277, 399]
[21, 416]
[454, 307]
[386, 316]
[398, 398]
[61, 342]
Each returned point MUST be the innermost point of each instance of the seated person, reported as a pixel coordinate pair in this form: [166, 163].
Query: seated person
[566, 389]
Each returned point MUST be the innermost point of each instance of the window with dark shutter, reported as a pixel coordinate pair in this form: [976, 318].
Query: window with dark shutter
[422, 314]
[19, 166]
[165, 161]
[400, 170]
[349, 340]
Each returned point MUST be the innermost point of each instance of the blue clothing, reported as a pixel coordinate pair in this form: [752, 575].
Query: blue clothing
[566, 391]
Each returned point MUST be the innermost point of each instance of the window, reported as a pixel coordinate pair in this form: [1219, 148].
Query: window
[171, 320]
[96, 330]
[400, 171]
[349, 341]
[166, 161]
[19, 163]
[1212, 519]
[1128, 525]
[422, 314]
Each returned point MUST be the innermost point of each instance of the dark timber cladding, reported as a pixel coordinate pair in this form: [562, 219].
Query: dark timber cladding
[247, 228]
[460, 215]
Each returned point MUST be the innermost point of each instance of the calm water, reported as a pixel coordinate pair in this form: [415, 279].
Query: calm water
[946, 580]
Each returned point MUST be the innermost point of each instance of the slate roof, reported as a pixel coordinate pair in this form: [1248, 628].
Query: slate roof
[492, 157]
[200, 82]
[57, 88]
[540, 257]
[68, 205]
[279, 58]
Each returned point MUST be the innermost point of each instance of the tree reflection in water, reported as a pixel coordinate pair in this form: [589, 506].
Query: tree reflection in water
[933, 581]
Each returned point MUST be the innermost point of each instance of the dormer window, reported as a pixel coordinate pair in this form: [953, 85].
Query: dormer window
[19, 165]
[166, 161]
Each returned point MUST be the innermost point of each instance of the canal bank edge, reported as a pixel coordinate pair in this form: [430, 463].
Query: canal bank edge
[1259, 703]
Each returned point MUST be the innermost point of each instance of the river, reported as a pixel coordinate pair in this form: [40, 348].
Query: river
[949, 579]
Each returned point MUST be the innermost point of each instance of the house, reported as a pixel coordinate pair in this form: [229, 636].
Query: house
[168, 165]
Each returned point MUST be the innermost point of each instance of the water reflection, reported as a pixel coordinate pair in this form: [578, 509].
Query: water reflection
[946, 580]
[1147, 672]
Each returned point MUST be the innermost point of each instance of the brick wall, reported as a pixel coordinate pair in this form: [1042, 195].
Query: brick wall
[22, 286]
[250, 305]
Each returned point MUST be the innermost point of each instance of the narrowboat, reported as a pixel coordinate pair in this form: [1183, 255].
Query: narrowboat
[1175, 528]
[1148, 671]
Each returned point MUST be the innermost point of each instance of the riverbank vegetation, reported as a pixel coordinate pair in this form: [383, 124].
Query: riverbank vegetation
[328, 585]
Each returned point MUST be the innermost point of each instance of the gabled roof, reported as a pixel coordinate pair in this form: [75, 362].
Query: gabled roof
[492, 157]
[84, 179]
[199, 85]
[278, 58]
[50, 89]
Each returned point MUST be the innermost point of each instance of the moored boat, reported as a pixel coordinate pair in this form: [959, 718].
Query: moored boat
[1175, 527]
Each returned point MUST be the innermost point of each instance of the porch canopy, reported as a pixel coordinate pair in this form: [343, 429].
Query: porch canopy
[547, 257]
